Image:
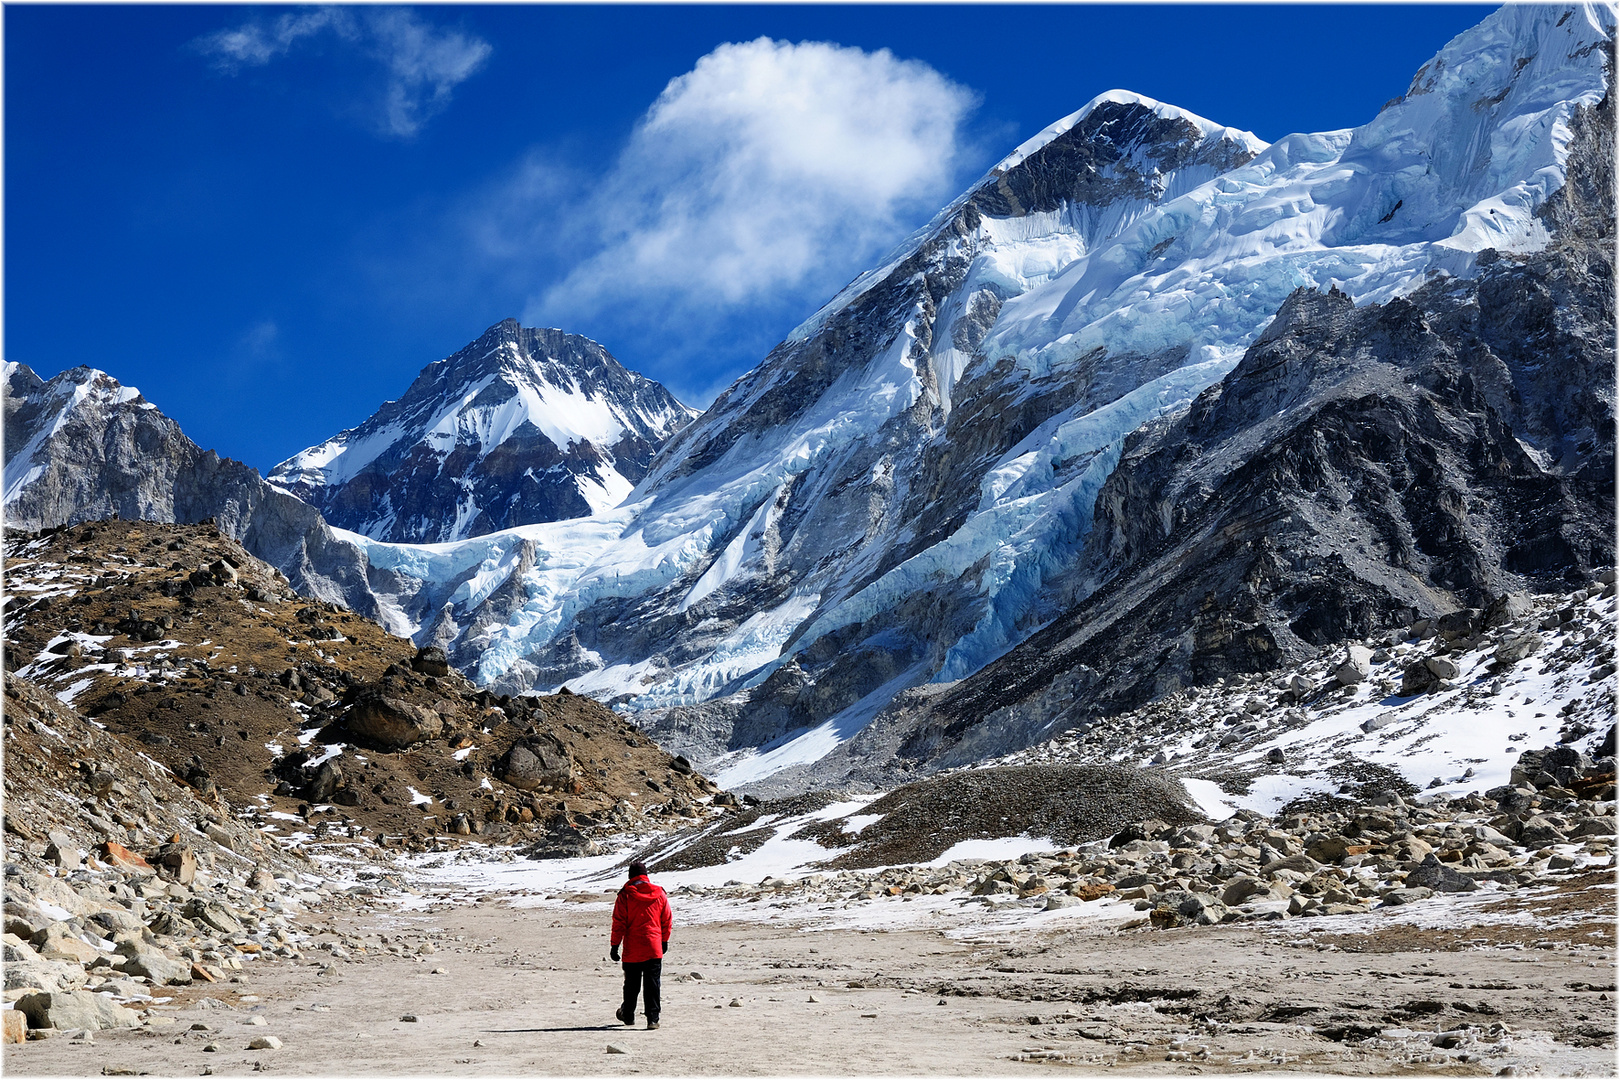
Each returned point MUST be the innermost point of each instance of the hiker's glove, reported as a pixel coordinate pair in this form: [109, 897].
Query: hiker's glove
[613, 952]
[666, 945]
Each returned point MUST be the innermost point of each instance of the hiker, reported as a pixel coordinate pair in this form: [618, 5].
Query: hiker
[641, 921]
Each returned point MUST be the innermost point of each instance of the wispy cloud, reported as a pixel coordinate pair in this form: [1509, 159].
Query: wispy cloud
[766, 168]
[422, 64]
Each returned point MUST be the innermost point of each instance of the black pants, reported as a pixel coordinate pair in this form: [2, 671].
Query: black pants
[646, 978]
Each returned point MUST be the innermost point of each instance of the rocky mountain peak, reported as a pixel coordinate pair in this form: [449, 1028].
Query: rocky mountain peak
[1119, 146]
[523, 425]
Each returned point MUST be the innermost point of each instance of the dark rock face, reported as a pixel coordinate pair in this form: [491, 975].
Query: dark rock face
[81, 447]
[1092, 163]
[460, 454]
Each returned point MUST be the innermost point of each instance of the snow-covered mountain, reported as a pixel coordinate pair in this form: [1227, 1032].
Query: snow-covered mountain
[903, 490]
[523, 425]
[1150, 405]
[82, 447]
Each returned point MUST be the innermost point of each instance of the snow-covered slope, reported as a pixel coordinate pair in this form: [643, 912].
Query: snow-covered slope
[521, 426]
[1459, 164]
[900, 492]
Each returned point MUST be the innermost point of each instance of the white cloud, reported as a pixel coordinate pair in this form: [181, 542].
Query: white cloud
[422, 63]
[255, 44]
[766, 167]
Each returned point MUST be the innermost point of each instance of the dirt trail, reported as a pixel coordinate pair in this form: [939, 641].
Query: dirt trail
[531, 990]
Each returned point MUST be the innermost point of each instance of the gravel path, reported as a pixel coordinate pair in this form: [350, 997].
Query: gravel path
[531, 991]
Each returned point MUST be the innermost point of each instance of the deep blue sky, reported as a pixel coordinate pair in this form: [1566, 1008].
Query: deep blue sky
[269, 253]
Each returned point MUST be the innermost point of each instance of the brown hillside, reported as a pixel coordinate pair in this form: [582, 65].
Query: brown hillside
[302, 715]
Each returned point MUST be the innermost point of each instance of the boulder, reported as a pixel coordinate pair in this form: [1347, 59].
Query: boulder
[324, 780]
[213, 913]
[390, 723]
[1299, 864]
[431, 660]
[63, 1009]
[109, 921]
[1240, 889]
[1442, 667]
[1431, 873]
[15, 1026]
[60, 941]
[1505, 609]
[534, 762]
[1515, 648]
[1090, 890]
[1463, 623]
[154, 965]
[121, 858]
[1417, 679]
[1355, 666]
[1397, 897]
[1539, 832]
[176, 863]
[63, 851]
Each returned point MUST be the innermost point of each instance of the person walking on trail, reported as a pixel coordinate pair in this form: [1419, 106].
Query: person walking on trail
[641, 922]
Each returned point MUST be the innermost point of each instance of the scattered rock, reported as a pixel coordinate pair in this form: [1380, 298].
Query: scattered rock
[1431, 873]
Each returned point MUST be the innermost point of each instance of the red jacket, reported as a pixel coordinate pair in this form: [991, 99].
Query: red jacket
[641, 920]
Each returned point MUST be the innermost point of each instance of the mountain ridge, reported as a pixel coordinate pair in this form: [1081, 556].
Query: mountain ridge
[521, 425]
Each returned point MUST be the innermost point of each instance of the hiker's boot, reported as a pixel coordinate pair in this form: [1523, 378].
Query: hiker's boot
[652, 1025]
[623, 1019]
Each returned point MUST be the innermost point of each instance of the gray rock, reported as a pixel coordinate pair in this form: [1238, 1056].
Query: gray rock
[161, 969]
[1442, 667]
[1431, 873]
[1299, 864]
[177, 862]
[1397, 897]
[214, 914]
[534, 762]
[1539, 832]
[1355, 666]
[431, 660]
[389, 722]
[65, 1009]
[63, 851]
[1515, 648]
[1240, 889]
[1417, 678]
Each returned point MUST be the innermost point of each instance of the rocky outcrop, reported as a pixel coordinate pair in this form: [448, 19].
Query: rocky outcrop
[523, 425]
